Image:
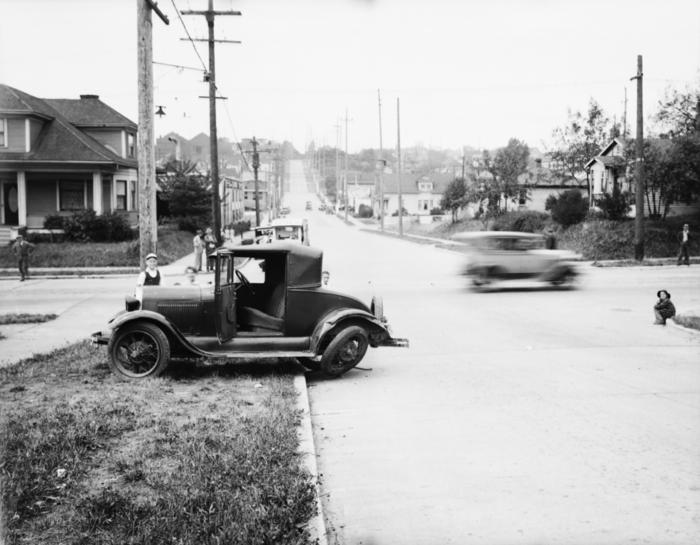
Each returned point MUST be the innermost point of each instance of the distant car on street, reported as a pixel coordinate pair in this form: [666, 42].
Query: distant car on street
[284, 211]
[266, 302]
[509, 255]
[308, 205]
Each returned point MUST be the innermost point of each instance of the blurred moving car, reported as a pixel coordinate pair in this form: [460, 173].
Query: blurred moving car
[285, 230]
[510, 255]
[266, 302]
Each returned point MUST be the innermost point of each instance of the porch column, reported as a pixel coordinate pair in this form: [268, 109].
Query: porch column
[21, 198]
[97, 193]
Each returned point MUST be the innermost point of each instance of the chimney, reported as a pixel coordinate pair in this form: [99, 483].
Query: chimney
[85, 97]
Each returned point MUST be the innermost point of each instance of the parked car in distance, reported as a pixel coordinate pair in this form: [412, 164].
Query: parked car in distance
[283, 229]
[308, 205]
[266, 302]
[509, 255]
[248, 237]
[321, 207]
[284, 211]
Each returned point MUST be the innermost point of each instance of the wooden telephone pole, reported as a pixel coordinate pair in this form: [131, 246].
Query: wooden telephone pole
[382, 164]
[210, 15]
[639, 169]
[345, 175]
[148, 221]
[398, 147]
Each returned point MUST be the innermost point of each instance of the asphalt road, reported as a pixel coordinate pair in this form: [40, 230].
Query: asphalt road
[516, 416]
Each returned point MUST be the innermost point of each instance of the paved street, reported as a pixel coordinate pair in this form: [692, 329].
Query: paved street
[517, 416]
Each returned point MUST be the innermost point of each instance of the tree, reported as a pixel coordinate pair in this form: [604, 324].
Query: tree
[510, 162]
[581, 139]
[454, 197]
[331, 187]
[187, 193]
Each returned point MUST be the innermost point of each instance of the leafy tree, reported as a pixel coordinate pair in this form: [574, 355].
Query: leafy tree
[510, 162]
[567, 208]
[582, 138]
[615, 205]
[331, 187]
[454, 197]
[188, 193]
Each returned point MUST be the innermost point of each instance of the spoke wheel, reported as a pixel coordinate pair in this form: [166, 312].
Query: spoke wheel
[345, 351]
[139, 351]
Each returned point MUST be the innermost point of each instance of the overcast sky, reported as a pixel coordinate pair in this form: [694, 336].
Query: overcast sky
[468, 72]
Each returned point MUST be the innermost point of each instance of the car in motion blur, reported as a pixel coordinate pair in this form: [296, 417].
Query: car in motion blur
[496, 256]
[266, 302]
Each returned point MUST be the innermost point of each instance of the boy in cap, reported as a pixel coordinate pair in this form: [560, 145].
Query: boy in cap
[663, 309]
[151, 276]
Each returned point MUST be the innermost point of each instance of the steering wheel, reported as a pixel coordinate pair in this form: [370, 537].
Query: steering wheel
[244, 281]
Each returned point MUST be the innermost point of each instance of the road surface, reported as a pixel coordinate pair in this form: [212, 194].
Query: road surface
[516, 416]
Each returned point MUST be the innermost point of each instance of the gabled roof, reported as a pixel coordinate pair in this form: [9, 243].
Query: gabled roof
[409, 182]
[59, 141]
[89, 111]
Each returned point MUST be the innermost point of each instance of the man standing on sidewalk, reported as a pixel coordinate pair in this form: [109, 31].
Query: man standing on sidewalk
[684, 239]
[198, 244]
[22, 249]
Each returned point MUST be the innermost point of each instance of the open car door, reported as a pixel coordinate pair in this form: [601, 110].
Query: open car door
[225, 295]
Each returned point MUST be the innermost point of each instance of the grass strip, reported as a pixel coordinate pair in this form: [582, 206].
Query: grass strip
[24, 318]
[206, 454]
[691, 322]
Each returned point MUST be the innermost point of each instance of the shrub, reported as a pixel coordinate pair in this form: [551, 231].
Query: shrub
[568, 208]
[404, 212]
[364, 211]
[53, 221]
[240, 227]
[87, 226]
[191, 223]
[526, 221]
[614, 206]
[437, 211]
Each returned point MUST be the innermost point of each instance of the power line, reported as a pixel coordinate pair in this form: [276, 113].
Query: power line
[184, 26]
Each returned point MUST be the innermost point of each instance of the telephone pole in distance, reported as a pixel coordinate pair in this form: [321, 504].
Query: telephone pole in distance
[210, 14]
[639, 169]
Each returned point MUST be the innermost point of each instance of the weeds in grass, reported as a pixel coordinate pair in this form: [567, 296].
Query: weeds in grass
[691, 322]
[24, 318]
[206, 456]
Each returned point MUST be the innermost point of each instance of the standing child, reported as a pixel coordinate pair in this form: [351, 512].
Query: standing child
[198, 244]
[210, 247]
[22, 250]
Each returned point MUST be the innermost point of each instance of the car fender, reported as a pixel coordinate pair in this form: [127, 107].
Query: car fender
[337, 317]
[123, 319]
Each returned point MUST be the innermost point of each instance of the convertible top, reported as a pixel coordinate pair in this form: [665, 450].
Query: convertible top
[304, 263]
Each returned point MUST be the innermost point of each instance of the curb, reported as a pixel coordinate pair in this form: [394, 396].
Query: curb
[673, 323]
[307, 449]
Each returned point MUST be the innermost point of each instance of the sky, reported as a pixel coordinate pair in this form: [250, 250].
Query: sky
[467, 72]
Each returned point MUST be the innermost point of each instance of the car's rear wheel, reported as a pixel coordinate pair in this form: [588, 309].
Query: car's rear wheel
[139, 351]
[345, 351]
[566, 280]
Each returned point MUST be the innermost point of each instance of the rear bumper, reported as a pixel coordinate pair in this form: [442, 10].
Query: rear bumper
[99, 338]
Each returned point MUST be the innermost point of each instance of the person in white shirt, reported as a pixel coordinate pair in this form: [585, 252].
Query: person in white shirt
[151, 276]
[684, 239]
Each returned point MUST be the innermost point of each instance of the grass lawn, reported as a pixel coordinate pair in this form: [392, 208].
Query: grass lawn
[206, 454]
[172, 245]
[24, 318]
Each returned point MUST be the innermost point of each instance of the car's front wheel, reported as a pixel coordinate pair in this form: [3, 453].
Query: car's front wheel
[139, 350]
[345, 351]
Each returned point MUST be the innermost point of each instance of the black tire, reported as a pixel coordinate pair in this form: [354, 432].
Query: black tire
[310, 364]
[345, 351]
[138, 351]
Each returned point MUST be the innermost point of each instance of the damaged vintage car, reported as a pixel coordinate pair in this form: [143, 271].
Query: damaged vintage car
[266, 302]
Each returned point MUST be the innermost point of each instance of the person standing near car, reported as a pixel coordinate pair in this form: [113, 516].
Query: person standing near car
[22, 249]
[150, 276]
[684, 239]
[198, 244]
[210, 247]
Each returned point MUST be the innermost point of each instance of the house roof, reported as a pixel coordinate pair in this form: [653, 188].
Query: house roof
[59, 141]
[607, 161]
[409, 182]
[89, 111]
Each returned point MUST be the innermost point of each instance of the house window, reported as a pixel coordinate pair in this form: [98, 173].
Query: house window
[71, 195]
[130, 145]
[3, 133]
[134, 196]
[121, 195]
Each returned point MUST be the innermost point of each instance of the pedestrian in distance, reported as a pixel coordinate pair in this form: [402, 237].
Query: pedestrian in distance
[550, 239]
[663, 309]
[210, 247]
[198, 244]
[22, 250]
[150, 276]
[684, 239]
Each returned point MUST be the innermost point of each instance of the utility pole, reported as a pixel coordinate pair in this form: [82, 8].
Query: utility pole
[398, 147]
[624, 118]
[382, 164]
[256, 166]
[148, 221]
[210, 15]
[337, 151]
[639, 169]
[345, 175]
